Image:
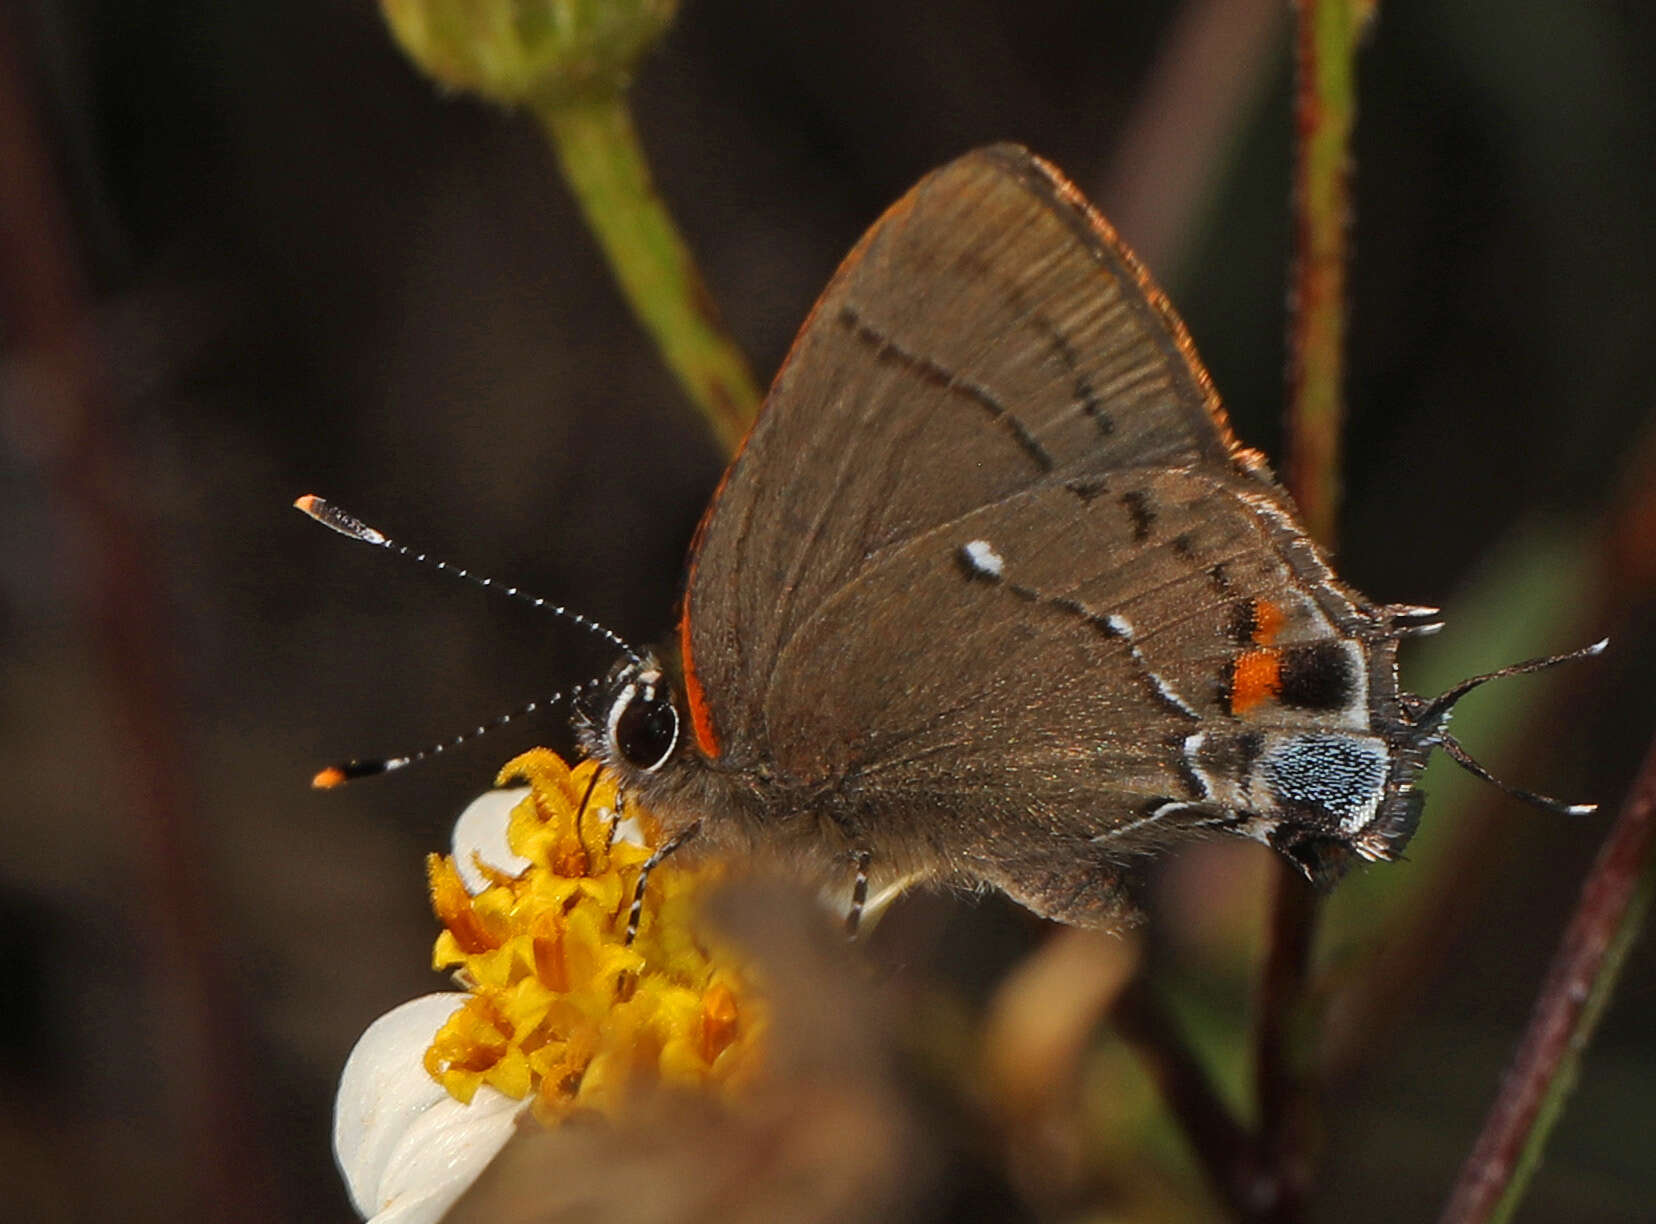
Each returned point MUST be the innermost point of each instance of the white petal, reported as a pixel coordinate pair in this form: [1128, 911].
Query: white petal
[481, 830]
[628, 830]
[441, 1154]
[383, 1089]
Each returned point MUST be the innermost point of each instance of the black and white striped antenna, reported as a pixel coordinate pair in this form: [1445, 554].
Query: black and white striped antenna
[347, 524]
[368, 767]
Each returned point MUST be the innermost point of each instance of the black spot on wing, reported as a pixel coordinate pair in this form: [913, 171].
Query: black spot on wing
[1088, 399]
[1319, 676]
[887, 349]
[1098, 624]
[1243, 622]
[1137, 504]
[1225, 689]
[1088, 487]
[1231, 757]
[974, 571]
[1195, 788]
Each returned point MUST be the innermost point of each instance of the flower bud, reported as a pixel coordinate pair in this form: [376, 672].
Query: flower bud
[540, 51]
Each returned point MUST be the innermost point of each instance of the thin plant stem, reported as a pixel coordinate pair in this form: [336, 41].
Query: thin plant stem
[1325, 99]
[1221, 1145]
[1284, 1050]
[1204, 88]
[1325, 107]
[1614, 902]
[604, 164]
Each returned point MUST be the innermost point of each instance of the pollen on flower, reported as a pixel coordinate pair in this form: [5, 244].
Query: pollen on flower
[561, 1007]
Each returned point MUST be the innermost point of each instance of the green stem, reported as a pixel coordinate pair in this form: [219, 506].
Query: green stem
[601, 158]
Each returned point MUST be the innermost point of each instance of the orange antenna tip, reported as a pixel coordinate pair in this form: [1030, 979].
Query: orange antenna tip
[329, 778]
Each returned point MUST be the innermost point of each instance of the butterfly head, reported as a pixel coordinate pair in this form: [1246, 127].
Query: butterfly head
[630, 720]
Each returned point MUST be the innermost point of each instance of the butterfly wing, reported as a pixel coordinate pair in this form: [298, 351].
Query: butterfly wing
[986, 332]
[1042, 688]
[991, 404]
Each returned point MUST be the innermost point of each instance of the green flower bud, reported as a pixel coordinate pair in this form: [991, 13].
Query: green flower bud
[540, 51]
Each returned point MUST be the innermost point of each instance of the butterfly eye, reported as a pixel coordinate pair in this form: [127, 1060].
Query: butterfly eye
[644, 726]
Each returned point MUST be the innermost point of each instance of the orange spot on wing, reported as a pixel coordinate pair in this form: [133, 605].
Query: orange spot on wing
[701, 718]
[1256, 676]
[1268, 621]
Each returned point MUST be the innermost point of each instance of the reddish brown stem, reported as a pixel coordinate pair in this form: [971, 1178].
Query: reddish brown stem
[1575, 987]
[1325, 45]
[1283, 1057]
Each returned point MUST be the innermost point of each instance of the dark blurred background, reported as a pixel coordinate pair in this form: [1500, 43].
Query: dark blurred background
[251, 254]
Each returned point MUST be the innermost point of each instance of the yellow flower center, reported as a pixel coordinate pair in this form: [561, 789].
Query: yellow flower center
[560, 1004]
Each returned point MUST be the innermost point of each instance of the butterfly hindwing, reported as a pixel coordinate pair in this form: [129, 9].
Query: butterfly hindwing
[1052, 626]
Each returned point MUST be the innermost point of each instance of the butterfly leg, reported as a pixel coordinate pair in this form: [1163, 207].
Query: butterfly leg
[859, 892]
[650, 864]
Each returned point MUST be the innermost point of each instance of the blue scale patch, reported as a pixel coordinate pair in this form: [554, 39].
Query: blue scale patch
[1339, 774]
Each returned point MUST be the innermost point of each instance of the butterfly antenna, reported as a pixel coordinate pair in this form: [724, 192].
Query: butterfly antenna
[1546, 803]
[1429, 720]
[350, 771]
[330, 515]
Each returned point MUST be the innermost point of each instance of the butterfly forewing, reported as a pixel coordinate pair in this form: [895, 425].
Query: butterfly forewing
[987, 334]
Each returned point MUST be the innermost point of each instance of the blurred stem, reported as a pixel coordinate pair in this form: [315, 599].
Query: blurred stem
[1286, 1047]
[1223, 1148]
[67, 431]
[1203, 90]
[1613, 904]
[604, 164]
[1325, 100]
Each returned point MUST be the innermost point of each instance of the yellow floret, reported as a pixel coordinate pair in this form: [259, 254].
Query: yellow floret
[561, 1006]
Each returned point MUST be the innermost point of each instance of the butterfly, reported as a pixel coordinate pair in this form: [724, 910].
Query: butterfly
[993, 596]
